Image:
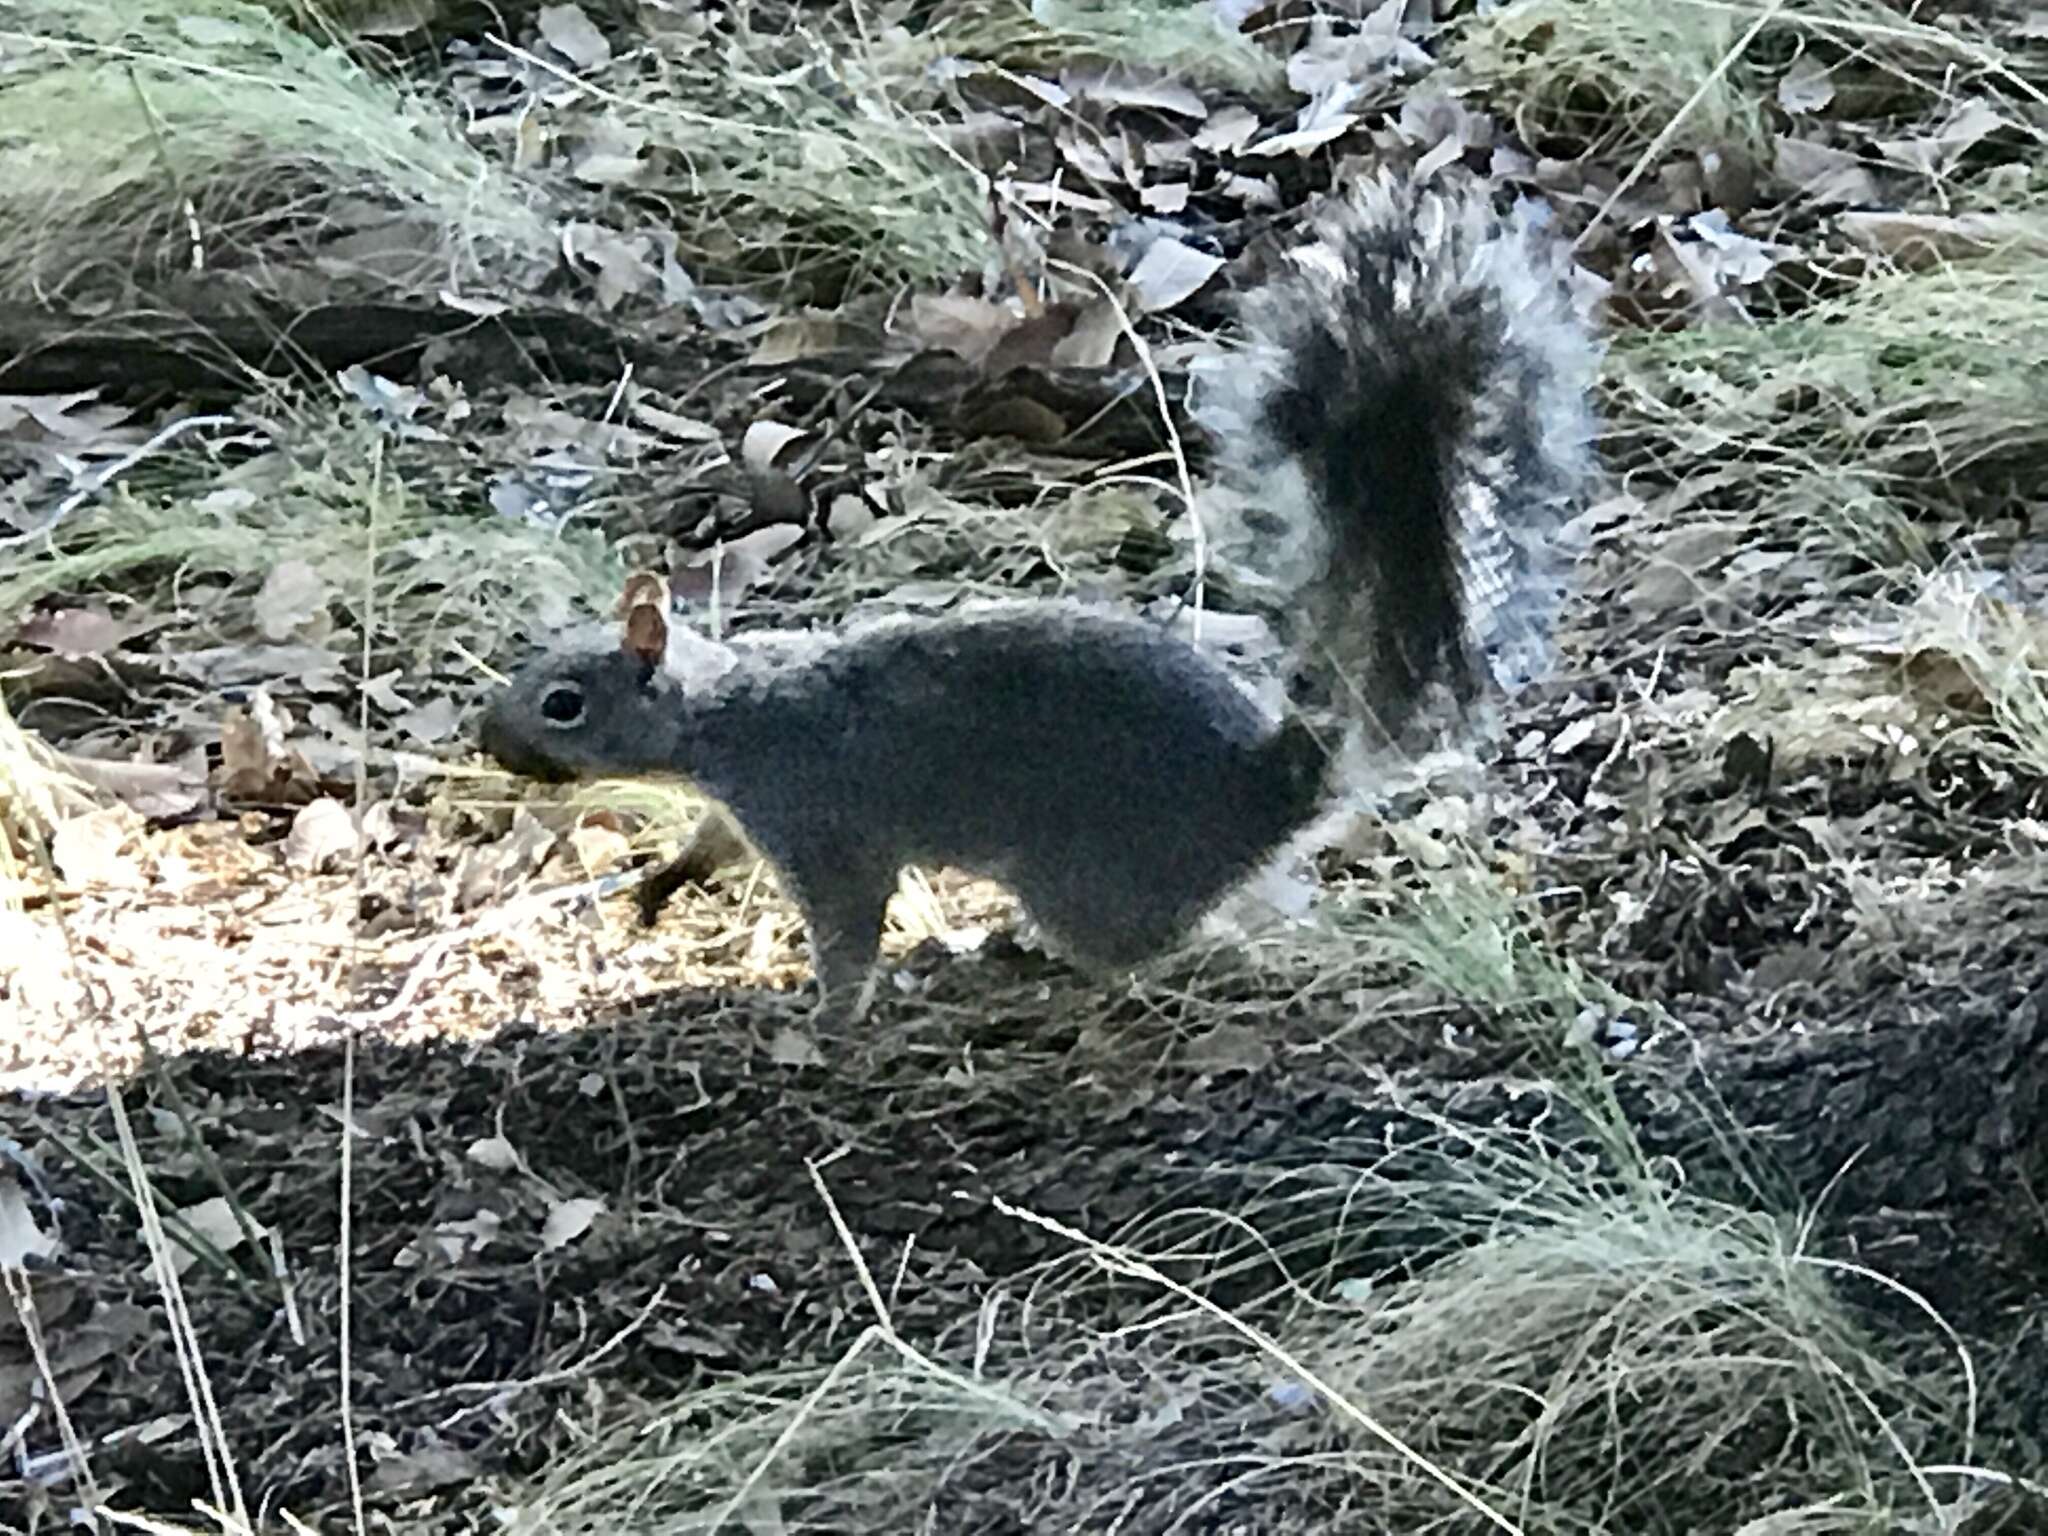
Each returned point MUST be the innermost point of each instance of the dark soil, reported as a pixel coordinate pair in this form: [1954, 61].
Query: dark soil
[716, 1256]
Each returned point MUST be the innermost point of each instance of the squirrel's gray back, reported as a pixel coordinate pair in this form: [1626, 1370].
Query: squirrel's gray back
[961, 736]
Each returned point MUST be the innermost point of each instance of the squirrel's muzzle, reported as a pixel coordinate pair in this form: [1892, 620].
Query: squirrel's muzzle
[514, 750]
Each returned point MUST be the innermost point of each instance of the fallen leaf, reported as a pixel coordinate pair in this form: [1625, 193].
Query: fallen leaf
[1230, 1047]
[966, 326]
[75, 632]
[314, 668]
[685, 429]
[598, 848]
[1091, 340]
[766, 441]
[613, 154]
[432, 722]
[1936, 154]
[396, 405]
[569, 1220]
[293, 598]
[1252, 191]
[1169, 272]
[622, 263]
[487, 873]
[494, 1153]
[1823, 173]
[1805, 87]
[733, 566]
[574, 36]
[410, 1474]
[214, 1221]
[458, 1240]
[322, 833]
[793, 1047]
[88, 849]
[1228, 132]
[1927, 239]
[849, 517]
[1119, 87]
[74, 418]
[1303, 141]
[20, 1238]
[791, 338]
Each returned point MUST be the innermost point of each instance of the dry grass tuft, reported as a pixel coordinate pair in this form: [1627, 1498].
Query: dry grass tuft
[148, 143]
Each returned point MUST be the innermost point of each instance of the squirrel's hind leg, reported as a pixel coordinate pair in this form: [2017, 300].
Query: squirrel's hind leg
[843, 913]
[1100, 923]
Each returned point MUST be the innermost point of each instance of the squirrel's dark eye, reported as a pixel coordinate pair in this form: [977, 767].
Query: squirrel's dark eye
[562, 704]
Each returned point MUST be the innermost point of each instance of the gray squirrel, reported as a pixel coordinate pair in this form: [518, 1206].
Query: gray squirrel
[1408, 422]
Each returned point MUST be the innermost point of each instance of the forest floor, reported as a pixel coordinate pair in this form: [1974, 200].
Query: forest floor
[1644, 1132]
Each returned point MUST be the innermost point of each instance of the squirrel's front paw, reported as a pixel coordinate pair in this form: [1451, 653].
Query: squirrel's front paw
[652, 894]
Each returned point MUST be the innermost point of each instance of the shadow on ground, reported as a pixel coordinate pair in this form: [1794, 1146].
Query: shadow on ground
[545, 1227]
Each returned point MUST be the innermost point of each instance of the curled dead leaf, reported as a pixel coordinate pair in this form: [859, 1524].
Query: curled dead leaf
[322, 834]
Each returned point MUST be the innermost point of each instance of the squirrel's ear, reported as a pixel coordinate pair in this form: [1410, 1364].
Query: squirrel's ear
[642, 587]
[644, 607]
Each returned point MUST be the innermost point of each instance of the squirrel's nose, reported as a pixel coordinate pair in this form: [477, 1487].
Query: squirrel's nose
[502, 740]
[491, 735]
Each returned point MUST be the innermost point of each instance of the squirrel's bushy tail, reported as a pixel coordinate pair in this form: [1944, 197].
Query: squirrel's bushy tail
[1410, 422]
